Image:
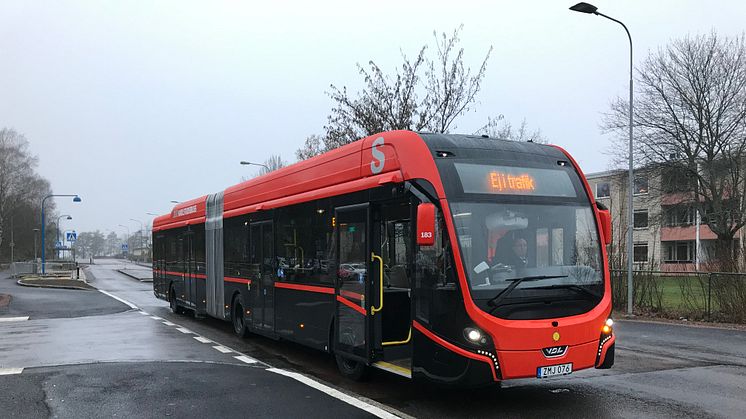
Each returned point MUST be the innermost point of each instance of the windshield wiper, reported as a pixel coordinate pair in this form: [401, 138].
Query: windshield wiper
[494, 301]
[573, 287]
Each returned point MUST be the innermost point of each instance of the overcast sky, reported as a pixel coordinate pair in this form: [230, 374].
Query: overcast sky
[132, 104]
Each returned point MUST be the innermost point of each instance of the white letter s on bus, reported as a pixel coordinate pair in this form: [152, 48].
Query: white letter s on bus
[376, 168]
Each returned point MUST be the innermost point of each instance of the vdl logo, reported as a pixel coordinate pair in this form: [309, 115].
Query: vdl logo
[376, 167]
[554, 351]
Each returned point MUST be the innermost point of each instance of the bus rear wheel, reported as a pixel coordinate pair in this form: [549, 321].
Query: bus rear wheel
[354, 370]
[238, 318]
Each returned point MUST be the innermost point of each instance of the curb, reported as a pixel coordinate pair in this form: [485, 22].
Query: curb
[697, 325]
[66, 287]
[124, 272]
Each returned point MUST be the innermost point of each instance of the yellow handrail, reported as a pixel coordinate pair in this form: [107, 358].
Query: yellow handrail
[401, 342]
[373, 309]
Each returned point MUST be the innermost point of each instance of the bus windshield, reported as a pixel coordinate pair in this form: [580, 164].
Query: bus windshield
[502, 243]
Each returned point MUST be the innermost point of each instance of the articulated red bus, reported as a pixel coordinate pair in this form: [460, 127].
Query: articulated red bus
[457, 259]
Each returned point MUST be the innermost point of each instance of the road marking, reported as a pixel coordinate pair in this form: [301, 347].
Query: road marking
[222, 349]
[155, 318]
[201, 339]
[119, 299]
[13, 319]
[168, 323]
[360, 404]
[10, 371]
[143, 313]
[183, 330]
[246, 359]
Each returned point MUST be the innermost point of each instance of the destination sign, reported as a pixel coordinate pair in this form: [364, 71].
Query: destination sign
[511, 180]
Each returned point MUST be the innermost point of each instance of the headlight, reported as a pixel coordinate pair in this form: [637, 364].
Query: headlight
[607, 326]
[474, 335]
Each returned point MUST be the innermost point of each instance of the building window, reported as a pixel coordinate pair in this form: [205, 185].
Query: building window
[641, 184]
[640, 252]
[679, 215]
[641, 219]
[603, 190]
[682, 251]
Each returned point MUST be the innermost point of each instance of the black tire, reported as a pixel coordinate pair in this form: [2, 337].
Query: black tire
[172, 303]
[238, 318]
[354, 370]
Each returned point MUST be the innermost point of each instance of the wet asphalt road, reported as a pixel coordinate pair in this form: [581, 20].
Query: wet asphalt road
[661, 370]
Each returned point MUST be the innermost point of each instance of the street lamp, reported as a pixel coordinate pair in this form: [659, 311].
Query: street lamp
[76, 198]
[60, 228]
[591, 9]
[175, 202]
[256, 164]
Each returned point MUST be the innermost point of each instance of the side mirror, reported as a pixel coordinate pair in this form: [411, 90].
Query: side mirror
[426, 224]
[605, 216]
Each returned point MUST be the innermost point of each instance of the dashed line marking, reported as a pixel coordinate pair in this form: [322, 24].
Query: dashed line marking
[119, 299]
[246, 359]
[222, 349]
[360, 404]
[144, 313]
[13, 319]
[155, 318]
[10, 371]
[202, 340]
[168, 323]
[183, 330]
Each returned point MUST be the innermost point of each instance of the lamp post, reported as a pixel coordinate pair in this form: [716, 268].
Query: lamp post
[36, 233]
[140, 235]
[60, 228]
[588, 8]
[245, 163]
[76, 198]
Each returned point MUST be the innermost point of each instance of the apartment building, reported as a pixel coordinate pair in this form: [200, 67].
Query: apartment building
[668, 233]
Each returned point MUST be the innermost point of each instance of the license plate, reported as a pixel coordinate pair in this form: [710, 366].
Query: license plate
[552, 370]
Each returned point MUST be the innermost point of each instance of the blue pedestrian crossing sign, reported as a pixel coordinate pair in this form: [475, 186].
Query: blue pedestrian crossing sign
[58, 245]
[125, 247]
[71, 236]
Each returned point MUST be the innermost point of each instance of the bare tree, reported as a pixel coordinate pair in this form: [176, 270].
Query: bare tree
[21, 190]
[406, 100]
[501, 129]
[690, 121]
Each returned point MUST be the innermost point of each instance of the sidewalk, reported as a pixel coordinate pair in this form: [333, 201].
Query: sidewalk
[138, 272]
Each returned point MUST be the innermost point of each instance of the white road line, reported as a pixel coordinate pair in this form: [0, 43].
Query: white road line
[246, 359]
[10, 371]
[155, 318]
[144, 313]
[183, 330]
[13, 319]
[222, 349]
[119, 299]
[360, 404]
[168, 323]
[201, 339]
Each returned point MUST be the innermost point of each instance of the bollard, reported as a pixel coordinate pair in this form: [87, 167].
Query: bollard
[77, 271]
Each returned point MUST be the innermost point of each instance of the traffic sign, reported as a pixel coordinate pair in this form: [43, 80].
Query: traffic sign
[71, 236]
[125, 247]
[58, 245]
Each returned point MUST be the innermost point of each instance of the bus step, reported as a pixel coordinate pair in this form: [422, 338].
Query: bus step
[404, 369]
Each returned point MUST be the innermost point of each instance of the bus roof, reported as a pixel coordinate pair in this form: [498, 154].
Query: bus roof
[389, 157]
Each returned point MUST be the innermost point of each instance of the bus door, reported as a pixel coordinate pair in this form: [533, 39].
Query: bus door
[262, 256]
[351, 328]
[190, 282]
[391, 270]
